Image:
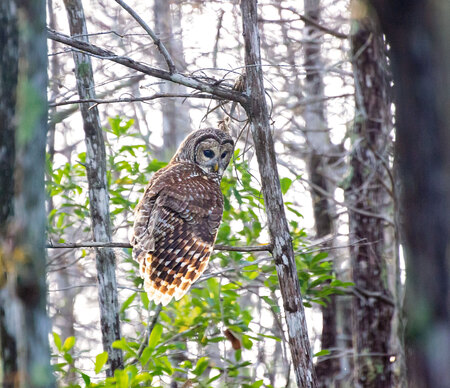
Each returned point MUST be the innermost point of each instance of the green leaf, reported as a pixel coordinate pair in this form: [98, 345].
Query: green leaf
[320, 256]
[201, 366]
[122, 378]
[155, 336]
[86, 378]
[120, 344]
[340, 283]
[60, 221]
[285, 184]
[144, 299]
[187, 364]
[213, 287]
[214, 378]
[238, 354]
[116, 127]
[155, 165]
[127, 302]
[164, 363]
[68, 344]
[100, 360]
[146, 354]
[141, 378]
[68, 358]
[247, 342]
[256, 384]
[59, 367]
[270, 336]
[57, 340]
[323, 352]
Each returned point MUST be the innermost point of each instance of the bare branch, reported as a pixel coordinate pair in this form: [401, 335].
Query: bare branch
[207, 87]
[162, 49]
[95, 244]
[216, 44]
[315, 24]
[136, 99]
[358, 291]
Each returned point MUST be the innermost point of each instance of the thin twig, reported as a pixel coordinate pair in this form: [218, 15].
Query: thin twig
[162, 49]
[148, 331]
[135, 99]
[317, 25]
[96, 244]
[216, 44]
[207, 87]
[372, 294]
[178, 335]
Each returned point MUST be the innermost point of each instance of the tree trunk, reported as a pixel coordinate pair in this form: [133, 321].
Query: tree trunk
[418, 33]
[319, 146]
[368, 198]
[98, 192]
[9, 58]
[278, 227]
[24, 326]
[176, 121]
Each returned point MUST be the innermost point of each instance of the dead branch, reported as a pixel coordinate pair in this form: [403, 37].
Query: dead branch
[211, 87]
[95, 244]
[136, 99]
[162, 49]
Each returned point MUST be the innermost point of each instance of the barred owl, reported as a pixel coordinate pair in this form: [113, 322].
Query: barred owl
[177, 219]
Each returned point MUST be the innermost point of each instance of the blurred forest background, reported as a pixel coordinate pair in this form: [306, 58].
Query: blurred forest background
[356, 102]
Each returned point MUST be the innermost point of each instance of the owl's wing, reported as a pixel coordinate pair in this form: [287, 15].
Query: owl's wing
[184, 218]
[145, 217]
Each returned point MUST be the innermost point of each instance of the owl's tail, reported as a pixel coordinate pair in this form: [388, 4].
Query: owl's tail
[170, 274]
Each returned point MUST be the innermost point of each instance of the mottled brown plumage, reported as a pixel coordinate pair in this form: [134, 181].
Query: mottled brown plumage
[177, 219]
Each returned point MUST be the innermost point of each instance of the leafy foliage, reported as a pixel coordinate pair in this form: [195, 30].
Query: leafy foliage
[219, 314]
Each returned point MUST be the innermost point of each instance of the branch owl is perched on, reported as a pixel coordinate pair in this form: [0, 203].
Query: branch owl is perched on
[177, 219]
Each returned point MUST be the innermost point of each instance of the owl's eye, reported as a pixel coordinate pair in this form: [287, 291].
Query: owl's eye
[208, 153]
[224, 154]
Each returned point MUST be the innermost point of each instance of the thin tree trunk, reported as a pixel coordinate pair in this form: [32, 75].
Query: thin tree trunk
[418, 33]
[371, 317]
[278, 227]
[98, 192]
[176, 120]
[24, 325]
[319, 145]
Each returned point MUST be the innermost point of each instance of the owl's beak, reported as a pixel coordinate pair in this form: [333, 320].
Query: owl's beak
[216, 167]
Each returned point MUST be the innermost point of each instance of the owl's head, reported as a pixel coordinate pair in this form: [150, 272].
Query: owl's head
[211, 149]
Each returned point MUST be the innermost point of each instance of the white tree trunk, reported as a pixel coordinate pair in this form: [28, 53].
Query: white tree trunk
[98, 192]
[278, 227]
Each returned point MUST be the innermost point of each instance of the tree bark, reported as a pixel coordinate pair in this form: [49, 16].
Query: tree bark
[24, 325]
[8, 84]
[319, 146]
[371, 317]
[98, 192]
[278, 227]
[9, 36]
[176, 120]
[418, 34]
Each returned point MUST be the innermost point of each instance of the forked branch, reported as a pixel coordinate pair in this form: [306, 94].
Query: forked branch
[162, 49]
[213, 87]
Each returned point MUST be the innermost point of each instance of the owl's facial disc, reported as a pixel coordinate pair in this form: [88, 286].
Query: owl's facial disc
[212, 157]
